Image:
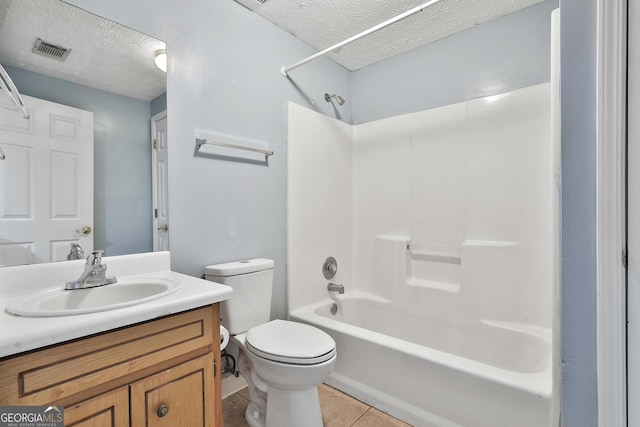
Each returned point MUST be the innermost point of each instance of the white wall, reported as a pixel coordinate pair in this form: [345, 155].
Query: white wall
[319, 208]
[381, 193]
[469, 186]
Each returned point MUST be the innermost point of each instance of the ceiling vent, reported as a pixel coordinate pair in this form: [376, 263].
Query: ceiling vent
[49, 50]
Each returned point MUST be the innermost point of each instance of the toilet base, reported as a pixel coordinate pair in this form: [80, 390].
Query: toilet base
[287, 395]
[286, 408]
[254, 416]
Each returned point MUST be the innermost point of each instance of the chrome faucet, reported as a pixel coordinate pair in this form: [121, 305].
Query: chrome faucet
[332, 287]
[93, 274]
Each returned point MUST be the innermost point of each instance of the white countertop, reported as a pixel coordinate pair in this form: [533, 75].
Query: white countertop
[19, 334]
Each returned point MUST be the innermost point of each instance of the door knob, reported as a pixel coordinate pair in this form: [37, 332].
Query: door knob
[84, 230]
[163, 228]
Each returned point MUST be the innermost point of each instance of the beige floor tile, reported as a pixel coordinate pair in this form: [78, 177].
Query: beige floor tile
[339, 409]
[245, 393]
[233, 408]
[375, 418]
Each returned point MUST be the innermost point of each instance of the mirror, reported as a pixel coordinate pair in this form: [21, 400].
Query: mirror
[109, 71]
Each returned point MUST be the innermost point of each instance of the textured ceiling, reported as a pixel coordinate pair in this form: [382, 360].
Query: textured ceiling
[104, 55]
[322, 24]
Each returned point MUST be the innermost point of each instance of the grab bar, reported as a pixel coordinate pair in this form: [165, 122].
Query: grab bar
[200, 142]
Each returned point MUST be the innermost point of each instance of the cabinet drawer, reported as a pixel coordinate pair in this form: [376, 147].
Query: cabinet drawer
[177, 397]
[58, 372]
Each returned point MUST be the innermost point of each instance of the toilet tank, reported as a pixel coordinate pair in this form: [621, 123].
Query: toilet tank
[252, 282]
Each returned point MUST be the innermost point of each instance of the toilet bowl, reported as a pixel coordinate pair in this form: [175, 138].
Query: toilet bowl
[282, 361]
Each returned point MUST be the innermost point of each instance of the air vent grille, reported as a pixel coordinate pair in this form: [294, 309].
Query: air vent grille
[50, 50]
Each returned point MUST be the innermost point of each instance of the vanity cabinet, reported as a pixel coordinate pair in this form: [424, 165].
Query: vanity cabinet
[174, 397]
[156, 373]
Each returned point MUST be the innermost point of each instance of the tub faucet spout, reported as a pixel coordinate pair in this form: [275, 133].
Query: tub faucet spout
[332, 287]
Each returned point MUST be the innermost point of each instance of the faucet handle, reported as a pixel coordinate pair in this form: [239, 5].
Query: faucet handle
[95, 258]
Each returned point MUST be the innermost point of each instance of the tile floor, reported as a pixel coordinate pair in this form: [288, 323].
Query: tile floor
[338, 410]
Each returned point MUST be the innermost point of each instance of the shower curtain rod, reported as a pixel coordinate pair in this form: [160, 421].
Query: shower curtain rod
[10, 89]
[285, 70]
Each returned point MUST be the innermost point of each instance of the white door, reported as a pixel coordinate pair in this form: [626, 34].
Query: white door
[46, 182]
[160, 182]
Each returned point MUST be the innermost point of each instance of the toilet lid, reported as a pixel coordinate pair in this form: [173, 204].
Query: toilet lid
[290, 342]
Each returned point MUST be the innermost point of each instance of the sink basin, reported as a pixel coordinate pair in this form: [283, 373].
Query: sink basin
[124, 293]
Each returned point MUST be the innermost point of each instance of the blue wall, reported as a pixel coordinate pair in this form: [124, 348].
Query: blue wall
[122, 159]
[159, 104]
[224, 76]
[505, 54]
[579, 312]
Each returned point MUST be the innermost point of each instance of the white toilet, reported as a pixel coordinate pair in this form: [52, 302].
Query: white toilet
[283, 362]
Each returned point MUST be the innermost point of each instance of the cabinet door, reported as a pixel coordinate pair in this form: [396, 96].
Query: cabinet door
[182, 396]
[107, 410]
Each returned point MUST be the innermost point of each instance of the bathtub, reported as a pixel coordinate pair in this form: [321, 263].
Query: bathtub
[435, 372]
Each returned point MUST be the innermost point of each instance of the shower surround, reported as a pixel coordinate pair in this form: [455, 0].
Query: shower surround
[444, 225]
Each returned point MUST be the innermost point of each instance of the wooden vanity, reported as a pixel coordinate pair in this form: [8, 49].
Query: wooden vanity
[160, 372]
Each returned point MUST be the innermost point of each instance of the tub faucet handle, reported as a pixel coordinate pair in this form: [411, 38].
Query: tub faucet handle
[329, 268]
[332, 287]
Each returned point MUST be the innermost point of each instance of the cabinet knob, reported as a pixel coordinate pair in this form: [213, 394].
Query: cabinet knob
[163, 410]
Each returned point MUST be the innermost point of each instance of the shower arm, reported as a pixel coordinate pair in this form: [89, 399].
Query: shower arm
[285, 70]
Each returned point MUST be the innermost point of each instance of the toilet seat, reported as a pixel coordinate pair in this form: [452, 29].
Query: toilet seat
[290, 342]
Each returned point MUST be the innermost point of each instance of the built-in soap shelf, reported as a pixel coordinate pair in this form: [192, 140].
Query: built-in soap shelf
[474, 264]
[489, 243]
[441, 268]
[453, 255]
[432, 284]
[434, 267]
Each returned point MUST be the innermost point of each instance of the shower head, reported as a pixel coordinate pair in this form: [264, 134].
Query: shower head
[338, 98]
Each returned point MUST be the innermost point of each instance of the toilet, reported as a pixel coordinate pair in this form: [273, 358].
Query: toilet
[282, 361]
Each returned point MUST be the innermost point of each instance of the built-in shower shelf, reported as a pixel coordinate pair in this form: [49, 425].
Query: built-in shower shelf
[433, 252]
[489, 243]
[432, 284]
[434, 267]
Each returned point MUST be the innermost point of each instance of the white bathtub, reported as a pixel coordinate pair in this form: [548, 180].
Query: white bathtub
[432, 372]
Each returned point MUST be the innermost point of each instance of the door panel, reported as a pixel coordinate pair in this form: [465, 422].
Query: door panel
[160, 184]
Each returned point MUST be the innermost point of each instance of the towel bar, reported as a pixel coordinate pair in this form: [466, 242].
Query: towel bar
[200, 142]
